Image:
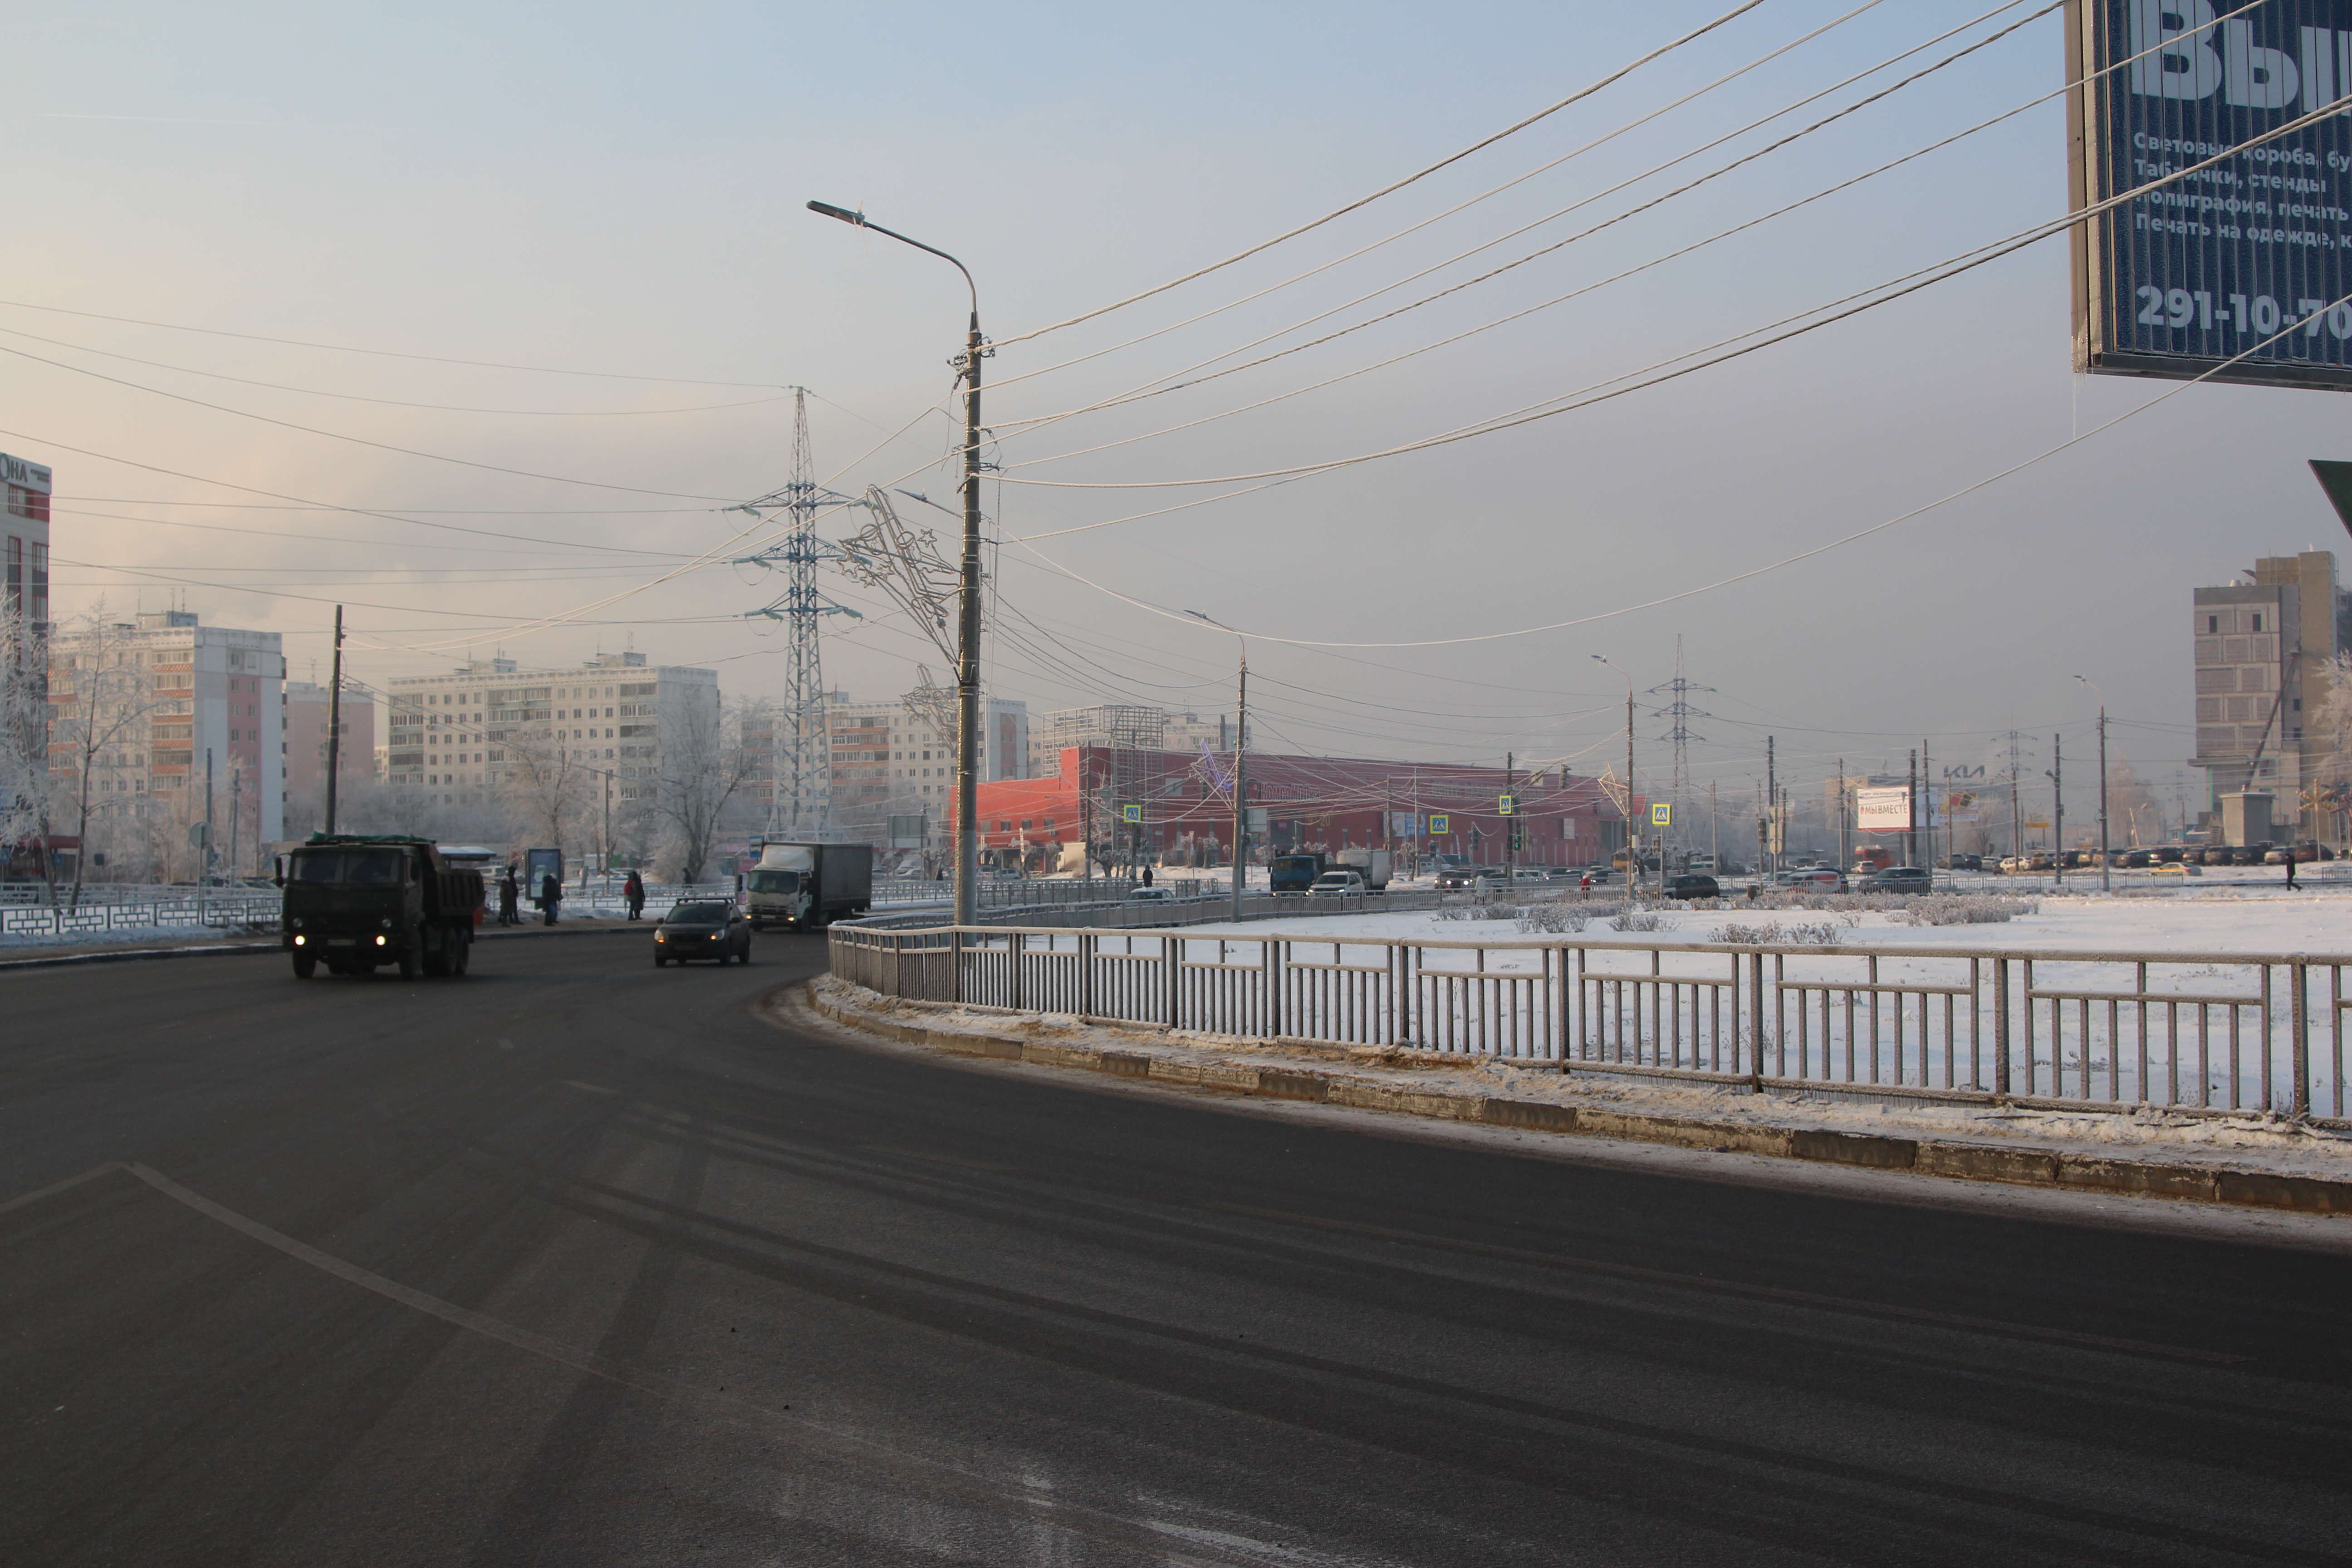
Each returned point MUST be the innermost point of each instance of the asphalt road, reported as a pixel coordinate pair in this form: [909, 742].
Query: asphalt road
[572, 1261]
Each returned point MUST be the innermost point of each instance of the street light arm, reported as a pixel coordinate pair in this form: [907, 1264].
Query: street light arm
[860, 220]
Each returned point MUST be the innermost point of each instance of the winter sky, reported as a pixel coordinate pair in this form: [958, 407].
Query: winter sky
[620, 190]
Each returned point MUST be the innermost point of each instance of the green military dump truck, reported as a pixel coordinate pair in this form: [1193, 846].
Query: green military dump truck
[355, 901]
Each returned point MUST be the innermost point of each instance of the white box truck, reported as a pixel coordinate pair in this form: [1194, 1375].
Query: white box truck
[805, 885]
[1372, 864]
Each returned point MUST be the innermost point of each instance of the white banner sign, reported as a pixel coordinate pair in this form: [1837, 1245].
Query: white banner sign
[1881, 810]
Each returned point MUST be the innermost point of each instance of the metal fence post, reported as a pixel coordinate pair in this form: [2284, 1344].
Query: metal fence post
[1087, 945]
[1013, 945]
[1758, 1037]
[1273, 988]
[1171, 953]
[2301, 982]
[2001, 1024]
[955, 963]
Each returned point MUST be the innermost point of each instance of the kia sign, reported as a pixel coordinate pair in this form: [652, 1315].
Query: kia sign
[2252, 256]
[1881, 810]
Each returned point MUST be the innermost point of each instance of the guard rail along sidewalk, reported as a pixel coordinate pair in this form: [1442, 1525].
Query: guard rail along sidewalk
[2221, 1034]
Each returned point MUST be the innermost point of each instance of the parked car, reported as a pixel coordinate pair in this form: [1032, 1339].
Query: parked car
[1336, 885]
[1812, 878]
[2133, 860]
[1693, 886]
[2183, 868]
[1959, 862]
[1900, 879]
[1151, 895]
[2169, 854]
[702, 928]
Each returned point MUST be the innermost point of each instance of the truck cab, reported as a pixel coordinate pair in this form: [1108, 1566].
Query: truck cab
[357, 902]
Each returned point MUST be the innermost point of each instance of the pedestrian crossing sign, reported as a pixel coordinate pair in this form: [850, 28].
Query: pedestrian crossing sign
[1438, 822]
[1662, 816]
[1131, 813]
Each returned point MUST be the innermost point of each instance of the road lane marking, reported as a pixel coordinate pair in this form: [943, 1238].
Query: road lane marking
[54, 1188]
[1757, 1292]
[1076, 1518]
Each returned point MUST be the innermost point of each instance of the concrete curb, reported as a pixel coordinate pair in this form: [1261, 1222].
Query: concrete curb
[215, 950]
[2012, 1165]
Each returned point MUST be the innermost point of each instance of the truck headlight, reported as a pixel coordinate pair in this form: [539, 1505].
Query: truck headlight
[379, 942]
[298, 941]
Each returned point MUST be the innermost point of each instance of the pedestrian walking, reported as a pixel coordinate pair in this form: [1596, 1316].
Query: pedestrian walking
[633, 891]
[509, 900]
[1147, 876]
[2290, 868]
[550, 893]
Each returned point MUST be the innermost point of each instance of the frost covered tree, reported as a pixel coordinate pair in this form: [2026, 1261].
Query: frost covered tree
[706, 761]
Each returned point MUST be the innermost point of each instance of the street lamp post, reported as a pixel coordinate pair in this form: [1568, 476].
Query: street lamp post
[967, 862]
[1632, 854]
[1241, 765]
[2107, 880]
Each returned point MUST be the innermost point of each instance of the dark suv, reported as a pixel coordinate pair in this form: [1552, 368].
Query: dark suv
[1693, 887]
[1900, 879]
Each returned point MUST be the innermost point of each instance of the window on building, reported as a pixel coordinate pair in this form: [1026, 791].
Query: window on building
[2212, 624]
[2257, 620]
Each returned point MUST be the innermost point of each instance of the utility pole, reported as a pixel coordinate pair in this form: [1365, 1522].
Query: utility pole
[335, 720]
[1772, 802]
[967, 797]
[204, 857]
[2058, 817]
[1927, 794]
[2106, 875]
[1510, 823]
[1911, 839]
[1714, 830]
[1845, 837]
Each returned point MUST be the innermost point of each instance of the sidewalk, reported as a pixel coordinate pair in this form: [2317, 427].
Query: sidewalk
[2249, 1159]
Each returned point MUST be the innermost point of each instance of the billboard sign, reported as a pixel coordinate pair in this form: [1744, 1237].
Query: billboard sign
[1404, 825]
[2212, 263]
[1881, 810]
[902, 833]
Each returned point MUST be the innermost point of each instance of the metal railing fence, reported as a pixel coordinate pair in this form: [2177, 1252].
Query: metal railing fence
[2197, 1032]
[219, 909]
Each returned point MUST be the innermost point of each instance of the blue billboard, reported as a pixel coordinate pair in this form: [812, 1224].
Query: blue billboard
[2208, 265]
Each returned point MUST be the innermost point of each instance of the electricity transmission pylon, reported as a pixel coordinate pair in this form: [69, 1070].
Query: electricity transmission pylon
[1678, 714]
[801, 803]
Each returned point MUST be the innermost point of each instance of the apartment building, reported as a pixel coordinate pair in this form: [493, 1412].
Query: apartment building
[307, 710]
[25, 547]
[458, 736]
[146, 707]
[897, 757]
[1119, 725]
[2264, 652]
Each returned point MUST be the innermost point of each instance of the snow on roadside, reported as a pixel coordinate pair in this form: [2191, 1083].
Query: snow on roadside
[2251, 1141]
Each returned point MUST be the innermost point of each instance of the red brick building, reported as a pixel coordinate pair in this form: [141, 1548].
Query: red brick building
[1177, 809]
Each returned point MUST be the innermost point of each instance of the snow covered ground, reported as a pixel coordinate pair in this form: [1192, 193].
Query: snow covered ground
[2219, 920]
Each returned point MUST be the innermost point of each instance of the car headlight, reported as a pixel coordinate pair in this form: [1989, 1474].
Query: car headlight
[659, 937]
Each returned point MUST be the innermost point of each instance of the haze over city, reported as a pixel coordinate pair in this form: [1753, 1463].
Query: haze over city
[624, 197]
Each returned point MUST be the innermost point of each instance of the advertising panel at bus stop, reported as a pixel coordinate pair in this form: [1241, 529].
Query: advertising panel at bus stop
[2251, 255]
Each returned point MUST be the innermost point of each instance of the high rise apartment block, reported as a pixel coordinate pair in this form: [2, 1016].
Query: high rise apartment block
[460, 735]
[2264, 653]
[306, 713]
[891, 759]
[143, 707]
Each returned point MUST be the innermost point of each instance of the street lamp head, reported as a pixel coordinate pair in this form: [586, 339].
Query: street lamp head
[829, 210]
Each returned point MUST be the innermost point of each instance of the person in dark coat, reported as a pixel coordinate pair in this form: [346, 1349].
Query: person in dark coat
[1147, 876]
[633, 891]
[509, 900]
[550, 893]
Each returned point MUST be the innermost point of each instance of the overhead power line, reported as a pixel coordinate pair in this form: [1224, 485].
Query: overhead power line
[1577, 97]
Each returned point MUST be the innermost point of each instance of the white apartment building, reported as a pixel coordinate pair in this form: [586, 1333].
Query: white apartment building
[458, 735]
[1110, 724]
[148, 705]
[891, 758]
[25, 547]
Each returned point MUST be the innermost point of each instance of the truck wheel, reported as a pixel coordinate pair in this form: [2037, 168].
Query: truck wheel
[410, 965]
[305, 965]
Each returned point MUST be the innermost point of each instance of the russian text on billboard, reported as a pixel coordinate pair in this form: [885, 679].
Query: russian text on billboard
[2179, 280]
